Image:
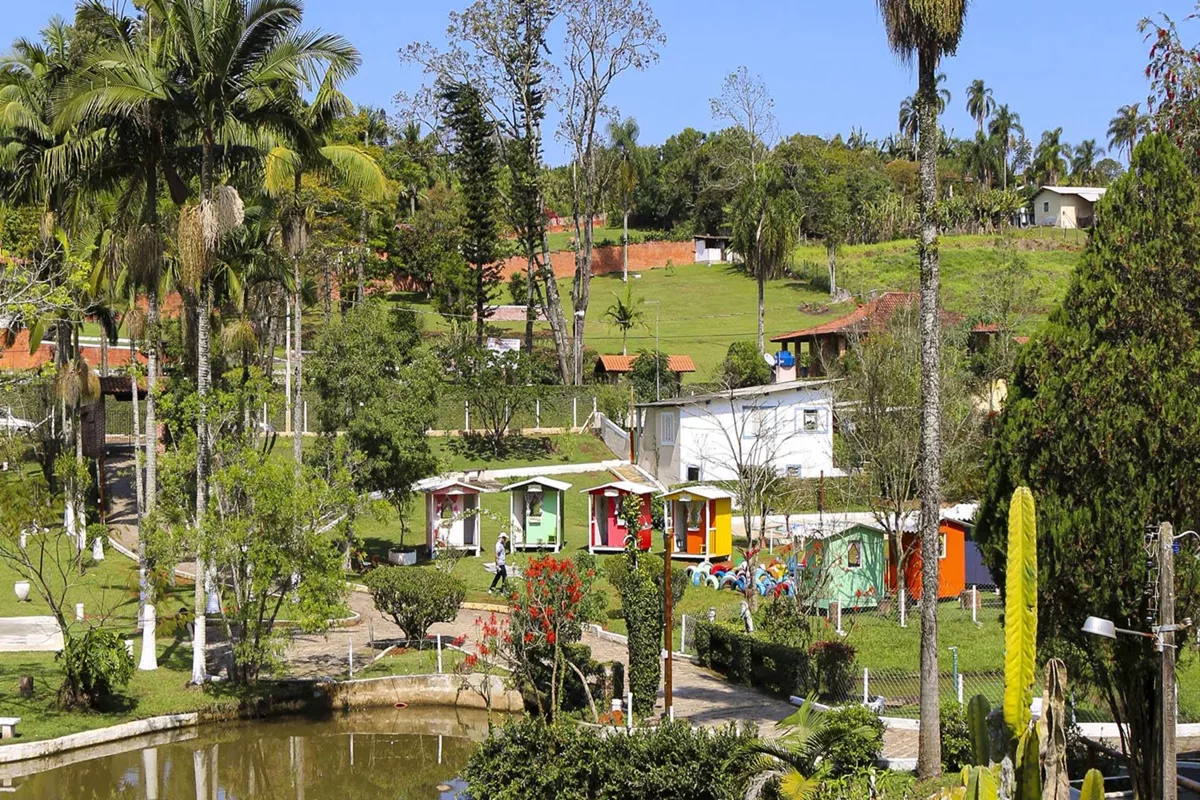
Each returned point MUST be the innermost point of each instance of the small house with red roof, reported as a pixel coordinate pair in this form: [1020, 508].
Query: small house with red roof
[610, 368]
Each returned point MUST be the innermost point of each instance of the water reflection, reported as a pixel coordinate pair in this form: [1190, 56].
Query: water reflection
[414, 753]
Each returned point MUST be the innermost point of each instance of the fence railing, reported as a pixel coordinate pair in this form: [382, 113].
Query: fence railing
[614, 436]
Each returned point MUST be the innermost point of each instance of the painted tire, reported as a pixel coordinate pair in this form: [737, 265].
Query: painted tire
[714, 582]
[690, 571]
[697, 578]
[728, 581]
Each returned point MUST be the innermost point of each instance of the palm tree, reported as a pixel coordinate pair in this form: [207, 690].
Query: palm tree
[625, 313]
[1083, 164]
[796, 762]
[624, 136]
[943, 93]
[1006, 127]
[909, 119]
[1126, 127]
[927, 30]
[980, 104]
[1050, 158]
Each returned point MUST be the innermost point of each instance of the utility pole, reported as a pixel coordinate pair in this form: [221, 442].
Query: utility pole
[1166, 646]
[668, 711]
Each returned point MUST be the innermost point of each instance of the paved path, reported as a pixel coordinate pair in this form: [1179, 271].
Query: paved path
[30, 634]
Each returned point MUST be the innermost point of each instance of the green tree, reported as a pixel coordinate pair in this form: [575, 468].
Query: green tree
[744, 366]
[1050, 163]
[1121, 347]
[625, 313]
[980, 103]
[499, 387]
[1083, 163]
[624, 134]
[1125, 128]
[1005, 128]
[652, 377]
[476, 159]
[927, 30]
[796, 763]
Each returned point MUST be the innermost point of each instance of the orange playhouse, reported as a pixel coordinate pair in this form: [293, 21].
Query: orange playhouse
[952, 571]
[607, 529]
[700, 519]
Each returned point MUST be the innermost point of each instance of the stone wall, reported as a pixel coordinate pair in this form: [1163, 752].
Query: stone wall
[605, 260]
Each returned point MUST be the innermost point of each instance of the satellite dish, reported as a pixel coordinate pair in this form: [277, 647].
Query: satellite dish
[770, 359]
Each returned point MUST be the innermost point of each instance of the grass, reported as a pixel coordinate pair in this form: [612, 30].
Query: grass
[561, 240]
[457, 454]
[411, 661]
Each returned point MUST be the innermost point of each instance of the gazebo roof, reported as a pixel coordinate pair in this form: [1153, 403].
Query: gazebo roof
[561, 486]
[622, 486]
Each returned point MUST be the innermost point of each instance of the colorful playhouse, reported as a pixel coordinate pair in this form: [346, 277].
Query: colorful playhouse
[700, 518]
[536, 513]
[844, 564]
[606, 528]
[952, 571]
[452, 516]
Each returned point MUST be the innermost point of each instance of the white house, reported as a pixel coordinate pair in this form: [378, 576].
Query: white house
[1066, 206]
[788, 426]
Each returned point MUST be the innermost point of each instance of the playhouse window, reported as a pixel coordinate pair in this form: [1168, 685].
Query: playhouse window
[668, 423]
[533, 506]
[941, 546]
[693, 515]
[811, 420]
[854, 555]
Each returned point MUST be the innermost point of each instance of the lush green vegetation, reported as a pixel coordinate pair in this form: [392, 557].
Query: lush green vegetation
[412, 661]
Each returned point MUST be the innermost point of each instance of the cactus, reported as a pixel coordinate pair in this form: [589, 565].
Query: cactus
[1028, 782]
[977, 727]
[1053, 732]
[1093, 786]
[1020, 613]
[981, 785]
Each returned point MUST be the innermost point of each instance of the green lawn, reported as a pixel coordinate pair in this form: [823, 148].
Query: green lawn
[561, 240]
[411, 661]
[456, 454]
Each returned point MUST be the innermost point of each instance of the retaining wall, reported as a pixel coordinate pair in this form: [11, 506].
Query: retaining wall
[606, 260]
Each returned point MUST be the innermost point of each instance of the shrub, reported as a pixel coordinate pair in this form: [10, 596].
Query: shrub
[642, 610]
[750, 661]
[956, 738]
[785, 622]
[415, 598]
[573, 697]
[594, 606]
[744, 366]
[859, 738]
[834, 664]
[857, 785]
[95, 666]
[672, 761]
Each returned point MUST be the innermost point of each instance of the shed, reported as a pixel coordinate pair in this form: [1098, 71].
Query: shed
[452, 516]
[607, 531]
[711, 249]
[952, 578]
[536, 513]
[610, 368]
[700, 518]
[1067, 206]
[842, 563]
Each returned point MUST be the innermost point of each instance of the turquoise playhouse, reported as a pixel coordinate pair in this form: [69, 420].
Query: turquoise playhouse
[536, 513]
[841, 562]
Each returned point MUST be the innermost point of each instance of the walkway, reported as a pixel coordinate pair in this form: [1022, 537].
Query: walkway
[30, 634]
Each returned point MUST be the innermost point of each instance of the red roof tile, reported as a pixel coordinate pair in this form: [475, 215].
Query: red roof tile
[870, 316]
[618, 363]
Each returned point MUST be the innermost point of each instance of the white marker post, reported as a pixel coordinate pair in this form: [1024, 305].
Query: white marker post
[149, 661]
[903, 608]
[439, 653]
[866, 686]
[350, 655]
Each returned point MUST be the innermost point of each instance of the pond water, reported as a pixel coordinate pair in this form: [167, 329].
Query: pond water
[395, 754]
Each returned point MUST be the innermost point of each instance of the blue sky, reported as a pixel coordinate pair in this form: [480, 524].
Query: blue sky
[826, 63]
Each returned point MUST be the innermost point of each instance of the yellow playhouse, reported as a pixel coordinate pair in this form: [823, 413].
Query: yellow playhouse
[701, 520]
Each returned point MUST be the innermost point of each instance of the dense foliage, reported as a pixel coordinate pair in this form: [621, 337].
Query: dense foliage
[95, 666]
[744, 366]
[857, 732]
[1100, 422]
[641, 606]
[415, 599]
[530, 759]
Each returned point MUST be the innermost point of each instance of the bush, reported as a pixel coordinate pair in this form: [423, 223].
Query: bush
[594, 606]
[888, 785]
[673, 761]
[641, 606]
[573, 697]
[785, 622]
[956, 738]
[750, 661]
[834, 664]
[744, 366]
[415, 598]
[95, 666]
[859, 739]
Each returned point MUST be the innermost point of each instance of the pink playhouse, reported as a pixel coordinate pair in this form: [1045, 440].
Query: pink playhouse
[452, 516]
[606, 529]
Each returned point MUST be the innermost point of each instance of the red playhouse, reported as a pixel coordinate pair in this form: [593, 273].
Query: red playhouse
[952, 575]
[606, 527]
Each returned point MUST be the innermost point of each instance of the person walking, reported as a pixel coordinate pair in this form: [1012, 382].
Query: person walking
[501, 565]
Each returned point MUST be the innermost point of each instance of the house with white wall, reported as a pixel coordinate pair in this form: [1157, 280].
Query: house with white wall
[1066, 206]
[788, 426]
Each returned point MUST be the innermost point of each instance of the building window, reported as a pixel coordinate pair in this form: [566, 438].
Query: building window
[792, 470]
[941, 546]
[1045, 208]
[812, 420]
[693, 474]
[854, 555]
[758, 421]
[668, 423]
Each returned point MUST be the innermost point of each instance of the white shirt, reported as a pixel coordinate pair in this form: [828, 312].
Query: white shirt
[501, 553]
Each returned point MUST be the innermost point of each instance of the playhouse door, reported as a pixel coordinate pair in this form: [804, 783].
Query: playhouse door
[697, 525]
[615, 532]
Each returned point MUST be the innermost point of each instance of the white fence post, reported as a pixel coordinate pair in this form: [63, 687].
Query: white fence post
[574, 412]
[439, 648]
[306, 416]
[839, 619]
[537, 413]
[467, 416]
[975, 604]
[903, 610]
[959, 688]
[683, 633]
[350, 655]
[866, 686]
[595, 408]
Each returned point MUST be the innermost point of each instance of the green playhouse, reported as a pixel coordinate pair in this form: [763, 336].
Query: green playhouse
[842, 563]
[536, 513]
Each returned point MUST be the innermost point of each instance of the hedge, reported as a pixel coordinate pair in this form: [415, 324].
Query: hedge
[750, 661]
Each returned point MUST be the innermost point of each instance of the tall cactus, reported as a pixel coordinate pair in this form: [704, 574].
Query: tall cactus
[1053, 732]
[1028, 782]
[1093, 786]
[1020, 613]
[977, 727]
[981, 785]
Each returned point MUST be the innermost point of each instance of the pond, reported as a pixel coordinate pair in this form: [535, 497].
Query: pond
[394, 753]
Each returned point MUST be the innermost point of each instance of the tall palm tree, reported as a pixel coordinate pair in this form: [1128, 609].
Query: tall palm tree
[1083, 162]
[909, 119]
[624, 134]
[943, 93]
[980, 104]
[1050, 158]
[927, 30]
[625, 313]
[1006, 126]
[1126, 127]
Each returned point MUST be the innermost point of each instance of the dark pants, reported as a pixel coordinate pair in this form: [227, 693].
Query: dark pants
[501, 577]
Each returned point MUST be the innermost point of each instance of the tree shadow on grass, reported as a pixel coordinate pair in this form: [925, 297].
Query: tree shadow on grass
[477, 447]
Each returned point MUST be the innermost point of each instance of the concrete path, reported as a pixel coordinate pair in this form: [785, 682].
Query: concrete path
[30, 634]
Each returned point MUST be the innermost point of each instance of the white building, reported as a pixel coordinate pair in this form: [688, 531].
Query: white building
[1066, 206]
[706, 438]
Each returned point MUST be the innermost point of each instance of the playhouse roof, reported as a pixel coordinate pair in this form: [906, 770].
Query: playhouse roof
[622, 486]
[830, 528]
[707, 492]
[561, 486]
[435, 485]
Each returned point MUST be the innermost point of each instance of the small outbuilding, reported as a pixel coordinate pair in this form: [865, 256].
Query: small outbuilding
[952, 571]
[536, 513]
[607, 528]
[844, 564]
[452, 516]
[1067, 206]
[700, 520]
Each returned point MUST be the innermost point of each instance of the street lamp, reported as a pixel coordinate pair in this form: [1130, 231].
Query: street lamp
[657, 351]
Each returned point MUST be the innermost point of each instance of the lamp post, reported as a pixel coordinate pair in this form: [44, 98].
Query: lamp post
[657, 351]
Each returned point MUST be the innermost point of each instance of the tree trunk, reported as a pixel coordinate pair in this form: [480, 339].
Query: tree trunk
[480, 304]
[929, 753]
[625, 246]
[151, 385]
[552, 305]
[203, 451]
[327, 288]
[140, 495]
[103, 353]
[530, 295]
[831, 256]
[297, 369]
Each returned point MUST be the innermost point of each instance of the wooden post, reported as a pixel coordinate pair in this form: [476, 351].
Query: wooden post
[1166, 644]
[670, 639]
